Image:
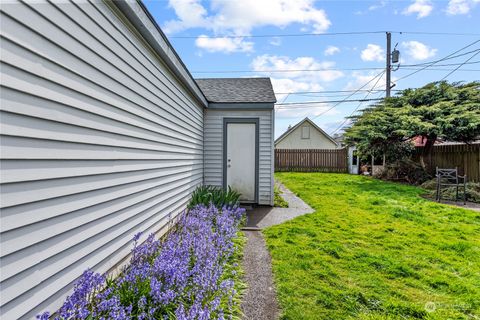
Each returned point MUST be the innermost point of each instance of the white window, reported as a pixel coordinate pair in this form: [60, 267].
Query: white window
[305, 132]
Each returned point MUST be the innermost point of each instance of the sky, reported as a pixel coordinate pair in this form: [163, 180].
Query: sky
[273, 38]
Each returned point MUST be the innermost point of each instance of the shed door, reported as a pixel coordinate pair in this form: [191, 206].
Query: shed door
[240, 159]
[353, 160]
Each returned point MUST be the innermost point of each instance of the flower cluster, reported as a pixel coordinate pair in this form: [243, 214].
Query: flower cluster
[187, 275]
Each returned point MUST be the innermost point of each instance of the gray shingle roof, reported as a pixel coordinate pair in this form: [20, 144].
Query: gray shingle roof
[237, 90]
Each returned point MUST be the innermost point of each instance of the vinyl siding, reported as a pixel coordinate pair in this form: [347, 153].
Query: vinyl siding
[214, 148]
[100, 140]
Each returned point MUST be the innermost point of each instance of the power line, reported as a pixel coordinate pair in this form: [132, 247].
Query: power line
[281, 35]
[321, 102]
[466, 61]
[339, 95]
[406, 67]
[326, 34]
[444, 58]
[321, 70]
[355, 110]
[335, 105]
[288, 70]
[443, 69]
[332, 91]
[344, 100]
[347, 118]
[438, 33]
[452, 57]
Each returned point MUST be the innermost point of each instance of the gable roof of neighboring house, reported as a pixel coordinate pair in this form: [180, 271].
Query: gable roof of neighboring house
[286, 133]
[237, 90]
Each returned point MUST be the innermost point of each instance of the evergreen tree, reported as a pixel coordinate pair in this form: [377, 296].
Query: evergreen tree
[439, 110]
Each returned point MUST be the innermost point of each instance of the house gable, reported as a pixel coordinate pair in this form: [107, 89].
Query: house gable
[305, 135]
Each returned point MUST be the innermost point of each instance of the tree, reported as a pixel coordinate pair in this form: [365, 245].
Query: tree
[439, 110]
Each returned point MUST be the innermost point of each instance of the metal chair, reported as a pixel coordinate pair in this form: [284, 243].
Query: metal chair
[448, 178]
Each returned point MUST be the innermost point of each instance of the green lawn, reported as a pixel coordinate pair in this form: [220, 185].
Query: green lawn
[374, 250]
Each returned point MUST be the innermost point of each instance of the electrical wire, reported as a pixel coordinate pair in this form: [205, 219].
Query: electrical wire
[444, 58]
[281, 105]
[355, 110]
[466, 61]
[437, 33]
[340, 101]
[281, 35]
[333, 91]
[325, 34]
[452, 57]
[405, 67]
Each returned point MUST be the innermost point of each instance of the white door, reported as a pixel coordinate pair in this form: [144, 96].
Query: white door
[240, 160]
[353, 160]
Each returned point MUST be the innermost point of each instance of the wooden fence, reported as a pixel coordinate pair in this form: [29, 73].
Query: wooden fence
[311, 160]
[465, 157]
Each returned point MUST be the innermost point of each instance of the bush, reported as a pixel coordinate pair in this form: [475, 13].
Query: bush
[472, 192]
[278, 201]
[189, 275]
[219, 197]
[405, 170]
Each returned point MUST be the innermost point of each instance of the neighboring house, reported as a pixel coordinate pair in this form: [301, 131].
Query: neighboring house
[305, 135]
[104, 133]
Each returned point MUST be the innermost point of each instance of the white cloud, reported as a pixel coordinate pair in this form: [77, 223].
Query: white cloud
[276, 41]
[241, 17]
[373, 7]
[418, 50]
[299, 67]
[331, 50]
[373, 52]
[299, 79]
[457, 7]
[281, 86]
[226, 45]
[359, 79]
[190, 13]
[422, 8]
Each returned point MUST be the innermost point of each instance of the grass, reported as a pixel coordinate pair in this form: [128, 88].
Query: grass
[374, 250]
[278, 201]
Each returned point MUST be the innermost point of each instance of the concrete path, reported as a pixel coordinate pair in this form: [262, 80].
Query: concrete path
[260, 300]
[469, 205]
[263, 217]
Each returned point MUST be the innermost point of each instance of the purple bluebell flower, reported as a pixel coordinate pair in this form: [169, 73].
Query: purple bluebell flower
[182, 274]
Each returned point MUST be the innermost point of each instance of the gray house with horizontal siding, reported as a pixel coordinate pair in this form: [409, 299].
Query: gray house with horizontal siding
[104, 133]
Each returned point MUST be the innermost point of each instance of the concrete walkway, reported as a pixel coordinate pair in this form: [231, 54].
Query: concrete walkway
[263, 217]
[260, 300]
[469, 205]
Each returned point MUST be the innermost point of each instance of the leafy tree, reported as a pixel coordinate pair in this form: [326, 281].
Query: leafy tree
[439, 110]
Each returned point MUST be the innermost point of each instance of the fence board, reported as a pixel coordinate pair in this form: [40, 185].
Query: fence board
[463, 156]
[311, 160]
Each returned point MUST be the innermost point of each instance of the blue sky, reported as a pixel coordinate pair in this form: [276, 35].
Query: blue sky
[338, 54]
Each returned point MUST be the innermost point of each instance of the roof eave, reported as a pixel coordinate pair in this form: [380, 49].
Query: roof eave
[241, 105]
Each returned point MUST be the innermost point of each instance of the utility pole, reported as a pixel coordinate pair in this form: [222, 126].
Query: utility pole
[389, 64]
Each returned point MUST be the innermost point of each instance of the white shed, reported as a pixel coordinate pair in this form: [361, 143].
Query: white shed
[239, 129]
